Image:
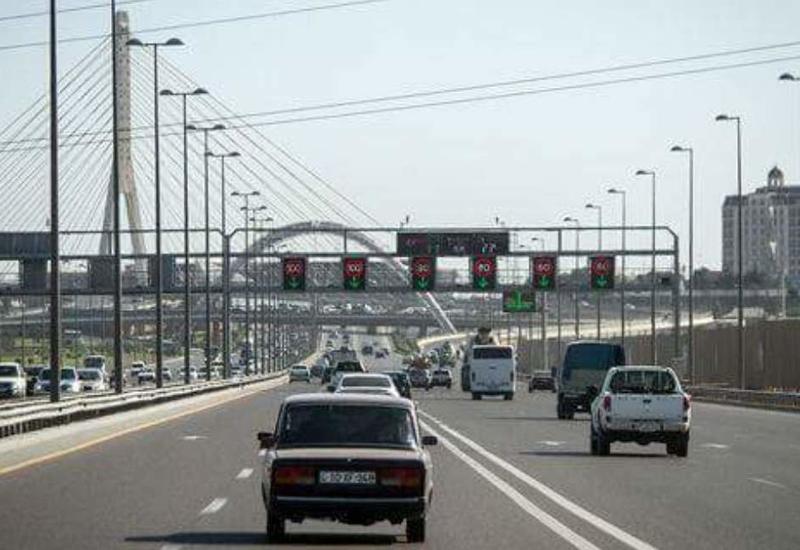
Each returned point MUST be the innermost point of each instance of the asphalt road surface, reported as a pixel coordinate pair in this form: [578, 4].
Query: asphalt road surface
[507, 475]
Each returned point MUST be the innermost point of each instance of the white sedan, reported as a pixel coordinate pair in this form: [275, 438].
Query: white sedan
[367, 383]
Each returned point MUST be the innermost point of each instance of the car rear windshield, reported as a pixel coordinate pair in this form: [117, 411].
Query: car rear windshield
[340, 425]
[94, 362]
[592, 357]
[643, 381]
[349, 366]
[8, 370]
[491, 353]
[89, 375]
[366, 382]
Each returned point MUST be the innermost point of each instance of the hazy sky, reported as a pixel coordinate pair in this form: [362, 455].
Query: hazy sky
[529, 160]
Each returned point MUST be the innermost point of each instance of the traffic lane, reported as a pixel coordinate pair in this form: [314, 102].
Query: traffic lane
[154, 480]
[467, 512]
[709, 498]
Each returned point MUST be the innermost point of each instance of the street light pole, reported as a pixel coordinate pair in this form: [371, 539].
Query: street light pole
[545, 354]
[653, 343]
[157, 152]
[570, 219]
[599, 248]
[206, 130]
[55, 249]
[622, 193]
[690, 358]
[187, 295]
[739, 247]
[226, 344]
[246, 209]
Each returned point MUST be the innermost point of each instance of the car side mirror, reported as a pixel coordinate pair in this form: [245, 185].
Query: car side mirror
[266, 440]
[430, 440]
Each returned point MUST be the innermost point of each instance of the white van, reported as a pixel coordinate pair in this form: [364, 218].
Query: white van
[492, 371]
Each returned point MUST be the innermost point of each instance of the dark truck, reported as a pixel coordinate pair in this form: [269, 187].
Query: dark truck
[582, 374]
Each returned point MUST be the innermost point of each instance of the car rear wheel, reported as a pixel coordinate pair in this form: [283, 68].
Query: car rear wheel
[415, 530]
[276, 527]
[476, 397]
[679, 446]
[603, 445]
[593, 443]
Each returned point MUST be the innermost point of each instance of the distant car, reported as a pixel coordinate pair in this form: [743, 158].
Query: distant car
[420, 378]
[317, 368]
[95, 362]
[146, 376]
[299, 373]
[343, 367]
[379, 354]
[442, 377]
[542, 380]
[136, 368]
[375, 384]
[401, 382]
[69, 381]
[12, 380]
[355, 459]
[32, 374]
[166, 375]
[641, 404]
[367, 350]
[92, 380]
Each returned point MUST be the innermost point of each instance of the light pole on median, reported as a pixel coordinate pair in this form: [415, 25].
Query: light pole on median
[246, 209]
[226, 343]
[187, 293]
[599, 209]
[690, 358]
[157, 149]
[653, 346]
[739, 247]
[622, 193]
[570, 219]
[207, 231]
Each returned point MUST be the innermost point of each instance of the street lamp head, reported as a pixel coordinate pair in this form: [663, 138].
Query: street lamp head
[678, 149]
[218, 127]
[721, 118]
[134, 42]
[234, 154]
[593, 206]
[787, 76]
[570, 219]
[191, 127]
[200, 91]
[174, 42]
[166, 92]
[645, 173]
[615, 191]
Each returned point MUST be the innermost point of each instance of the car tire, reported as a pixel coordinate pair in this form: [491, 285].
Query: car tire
[603, 445]
[508, 397]
[679, 446]
[415, 530]
[476, 396]
[276, 527]
[593, 449]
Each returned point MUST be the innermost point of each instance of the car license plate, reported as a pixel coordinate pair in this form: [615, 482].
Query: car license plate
[347, 478]
[649, 427]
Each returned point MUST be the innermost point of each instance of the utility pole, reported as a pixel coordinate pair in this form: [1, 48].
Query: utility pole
[55, 250]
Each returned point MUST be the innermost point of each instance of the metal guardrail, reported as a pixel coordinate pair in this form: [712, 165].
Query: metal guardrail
[784, 401]
[38, 415]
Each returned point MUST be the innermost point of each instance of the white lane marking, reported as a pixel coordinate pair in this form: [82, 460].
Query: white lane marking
[715, 446]
[194, 437]
[767, 482]
[537, 513]
[598, 522]
[171, 547]
[262, 452]
[245, 473]
[551, 443]
[214, 507]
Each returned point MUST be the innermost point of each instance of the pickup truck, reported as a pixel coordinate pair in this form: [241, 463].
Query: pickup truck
[643, 405]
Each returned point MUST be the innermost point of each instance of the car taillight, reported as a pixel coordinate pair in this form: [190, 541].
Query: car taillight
[293, 475]
[401, 477]
[607, 403]
[687, 402]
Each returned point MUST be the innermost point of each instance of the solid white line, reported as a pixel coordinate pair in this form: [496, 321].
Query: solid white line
[245, 473]
[715, 446]
[601, 524]
[214, 507]
[171, 547]
[767, 482]
[546, 519]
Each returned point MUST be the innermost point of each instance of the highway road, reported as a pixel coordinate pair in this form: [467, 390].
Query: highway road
[507, 475]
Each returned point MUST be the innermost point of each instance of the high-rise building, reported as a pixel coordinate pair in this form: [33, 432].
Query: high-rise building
[770, 229]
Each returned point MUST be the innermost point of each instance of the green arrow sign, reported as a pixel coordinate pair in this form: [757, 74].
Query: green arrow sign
[519, 301]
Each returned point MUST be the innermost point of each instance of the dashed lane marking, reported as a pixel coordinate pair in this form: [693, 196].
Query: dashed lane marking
[214, 506]
[763, 481]
[245, 473]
